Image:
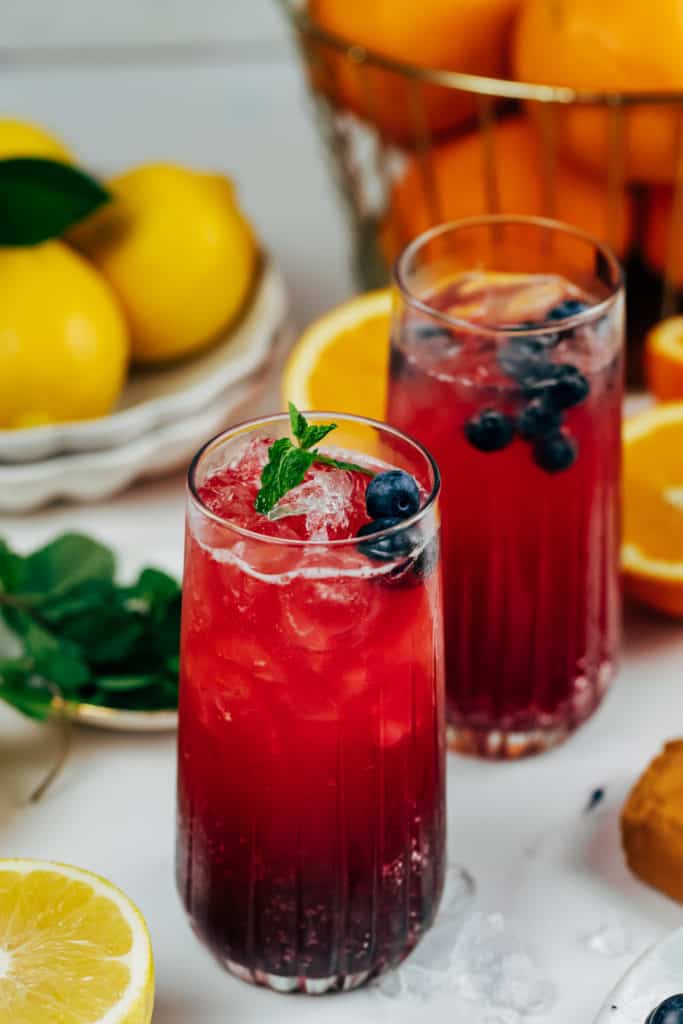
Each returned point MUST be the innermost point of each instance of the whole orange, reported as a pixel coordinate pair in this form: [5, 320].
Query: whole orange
[613, 46]
[470, 36]
[460, 186]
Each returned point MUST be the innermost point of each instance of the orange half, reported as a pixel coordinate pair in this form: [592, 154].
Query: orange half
[652, 550]
[664, 359]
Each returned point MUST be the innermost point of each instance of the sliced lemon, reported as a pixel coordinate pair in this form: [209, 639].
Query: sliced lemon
[341, 362]
[652, 551]
[73, 949]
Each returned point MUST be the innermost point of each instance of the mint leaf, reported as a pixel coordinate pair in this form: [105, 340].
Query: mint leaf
[66, 562]
[40, 199]
[285, 469]
[307, 434]
[287, 465]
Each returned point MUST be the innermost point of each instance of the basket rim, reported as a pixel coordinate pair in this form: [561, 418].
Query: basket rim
[499, 88]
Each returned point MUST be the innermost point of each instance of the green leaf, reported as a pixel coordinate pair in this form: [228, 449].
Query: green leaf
[66, 563]
[307, 434]
[125, 684]
[40, 199]
[91, 595]
[24, 692]
[11, 567]
[285, 469]
[153, 591]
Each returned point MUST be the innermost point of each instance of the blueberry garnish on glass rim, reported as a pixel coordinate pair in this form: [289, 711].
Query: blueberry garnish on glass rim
[668, 1012]
[392, 493]
[489, 430]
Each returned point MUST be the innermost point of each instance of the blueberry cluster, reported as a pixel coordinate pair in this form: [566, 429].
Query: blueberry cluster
[668, 1012]
[548, 390]
[390, 498]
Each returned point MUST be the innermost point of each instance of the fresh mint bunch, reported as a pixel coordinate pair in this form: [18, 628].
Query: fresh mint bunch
[68, 630]
[288, 463]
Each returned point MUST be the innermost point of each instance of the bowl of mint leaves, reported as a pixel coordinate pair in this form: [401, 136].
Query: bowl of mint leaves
[75, 642]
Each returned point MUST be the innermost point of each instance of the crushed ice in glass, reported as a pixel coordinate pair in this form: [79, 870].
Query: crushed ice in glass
[323, 498]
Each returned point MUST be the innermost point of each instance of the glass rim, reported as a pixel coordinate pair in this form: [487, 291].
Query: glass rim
[548, 327]
[249, 425]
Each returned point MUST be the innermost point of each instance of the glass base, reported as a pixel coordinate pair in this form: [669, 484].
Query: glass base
[498, 745]
[309, 986]
[509, 744]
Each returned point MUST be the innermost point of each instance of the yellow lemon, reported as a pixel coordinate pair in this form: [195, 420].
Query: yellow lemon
[178, 253]
[21, 138]
[73, 948]
[63, 339]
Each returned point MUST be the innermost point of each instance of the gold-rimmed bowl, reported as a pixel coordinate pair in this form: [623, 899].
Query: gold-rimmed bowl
[369, 159]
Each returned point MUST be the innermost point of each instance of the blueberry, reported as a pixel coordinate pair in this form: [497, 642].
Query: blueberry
[538, 418]
[570, 307]
[555, 452]
[668, 1012]
[489, 430]
[394, 493]
[568, 386]
[389, 548]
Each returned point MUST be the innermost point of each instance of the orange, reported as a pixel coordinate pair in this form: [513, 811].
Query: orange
[663, 251]
[461, 190]
[664, 359]
[613, 46]
[652, 551]
[342, 361]
[453, 35]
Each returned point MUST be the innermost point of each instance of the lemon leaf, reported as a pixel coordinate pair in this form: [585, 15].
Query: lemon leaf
[40, 199]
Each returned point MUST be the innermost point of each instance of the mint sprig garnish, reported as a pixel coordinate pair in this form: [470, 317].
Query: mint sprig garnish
[288, 463]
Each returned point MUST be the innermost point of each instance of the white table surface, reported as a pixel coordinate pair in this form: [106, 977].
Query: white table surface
[518, 827]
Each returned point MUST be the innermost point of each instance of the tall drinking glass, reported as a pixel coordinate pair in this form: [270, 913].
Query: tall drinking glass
[311, 820]
[507, 363]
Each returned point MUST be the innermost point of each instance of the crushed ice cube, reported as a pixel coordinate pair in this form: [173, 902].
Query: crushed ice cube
[324, 499]
[491, 965]
[478, 967]
[611, 939]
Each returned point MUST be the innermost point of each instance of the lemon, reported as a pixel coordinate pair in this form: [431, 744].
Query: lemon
[178, 253]
[341, 362]
[22, 138]
[63, 339]
[73, 948]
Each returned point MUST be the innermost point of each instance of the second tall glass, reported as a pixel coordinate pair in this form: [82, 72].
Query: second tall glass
[507, 363]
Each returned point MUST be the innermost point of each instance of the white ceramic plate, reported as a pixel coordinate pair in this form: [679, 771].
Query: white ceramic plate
[657, 975]
[156, 398]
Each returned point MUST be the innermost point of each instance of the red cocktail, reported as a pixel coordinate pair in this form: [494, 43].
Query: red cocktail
[311, 745]
[507, 364]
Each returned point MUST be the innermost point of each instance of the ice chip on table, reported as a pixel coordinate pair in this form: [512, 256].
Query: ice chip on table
[611, 939]
[491, 966]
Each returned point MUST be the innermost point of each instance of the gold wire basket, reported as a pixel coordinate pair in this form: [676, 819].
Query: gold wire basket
[366, 162]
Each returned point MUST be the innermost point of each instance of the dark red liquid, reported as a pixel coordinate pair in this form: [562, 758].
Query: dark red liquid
[311, 755]
[530, 557]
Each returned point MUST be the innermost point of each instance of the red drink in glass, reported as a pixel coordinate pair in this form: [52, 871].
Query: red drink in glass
[511, 374]
[311, 822]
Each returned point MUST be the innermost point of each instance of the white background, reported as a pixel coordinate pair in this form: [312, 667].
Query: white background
[215, 83]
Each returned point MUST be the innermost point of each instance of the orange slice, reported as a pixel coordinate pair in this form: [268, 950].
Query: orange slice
[664, 359]
[652, 551]
[341, 362]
